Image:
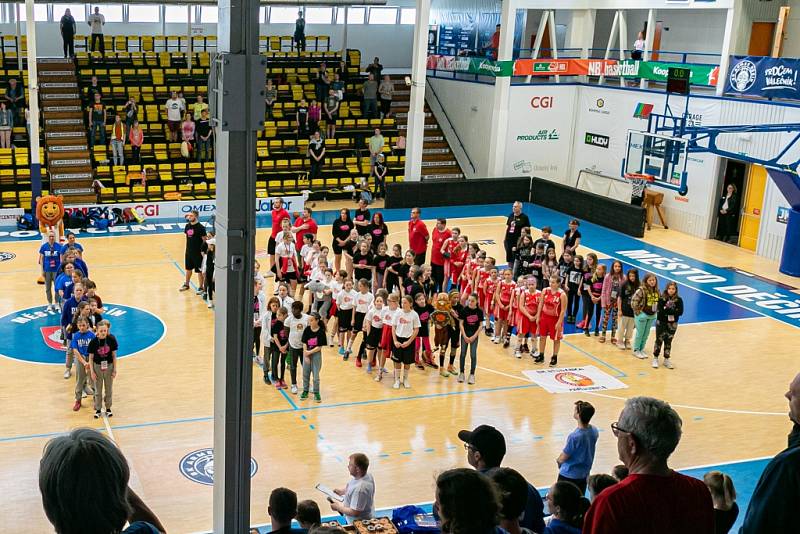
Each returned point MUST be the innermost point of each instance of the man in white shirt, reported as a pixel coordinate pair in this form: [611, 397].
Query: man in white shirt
[359, 494]
[175, 109]
[96, 21]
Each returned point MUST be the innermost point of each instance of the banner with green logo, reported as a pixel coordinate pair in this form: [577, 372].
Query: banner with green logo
[657, 71]
[471, 65]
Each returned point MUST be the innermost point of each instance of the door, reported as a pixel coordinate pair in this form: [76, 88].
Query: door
[656, 40]
[734, 174]
[753, 201]
[761, 35]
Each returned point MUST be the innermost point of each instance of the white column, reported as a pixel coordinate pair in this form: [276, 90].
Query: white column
[623, 41]
[726, 52]
[189, 36]
[581, 30]
[33, 101]
[19, 30]
[614, 26]
[344, 34]
[537, 44]
[502, 89]
[416, 109]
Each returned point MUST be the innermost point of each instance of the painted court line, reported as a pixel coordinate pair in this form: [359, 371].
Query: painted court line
[701, 408]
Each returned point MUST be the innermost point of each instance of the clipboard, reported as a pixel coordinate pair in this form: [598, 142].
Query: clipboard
[329, 493]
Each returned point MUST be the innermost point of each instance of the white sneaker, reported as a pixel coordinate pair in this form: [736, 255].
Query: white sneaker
[461, 377]
[668, 364]
[517, 354]
[406, 384]
[639, 354]
[654, 365]
[621, 345]
[396, 384]
[471, 379]
[535, 353]
[378, 376]
[210, 304]
[67, 373]
[293, 389]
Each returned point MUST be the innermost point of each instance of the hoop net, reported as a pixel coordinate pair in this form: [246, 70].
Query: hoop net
[639, 176]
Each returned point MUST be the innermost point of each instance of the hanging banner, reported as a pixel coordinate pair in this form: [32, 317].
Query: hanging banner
[763, 76]
[563, 67]
[471, 65]
[657, 71]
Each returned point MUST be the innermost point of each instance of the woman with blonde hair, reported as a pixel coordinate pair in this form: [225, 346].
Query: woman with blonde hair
[723, 494]
[645, 305]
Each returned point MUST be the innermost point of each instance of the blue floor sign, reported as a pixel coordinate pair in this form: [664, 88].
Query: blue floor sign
[198, 466]
[34, 335]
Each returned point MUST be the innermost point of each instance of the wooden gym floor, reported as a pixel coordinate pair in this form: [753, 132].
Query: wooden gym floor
[732, 368]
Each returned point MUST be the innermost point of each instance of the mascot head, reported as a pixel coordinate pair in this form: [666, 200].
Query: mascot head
[50, 209]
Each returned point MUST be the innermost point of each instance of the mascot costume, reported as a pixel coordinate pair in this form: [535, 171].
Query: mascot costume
[443, 321]
[50, 214]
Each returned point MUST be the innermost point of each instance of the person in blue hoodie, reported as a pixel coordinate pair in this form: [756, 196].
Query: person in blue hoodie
[79, 348]
[64, 284]
[67, 314]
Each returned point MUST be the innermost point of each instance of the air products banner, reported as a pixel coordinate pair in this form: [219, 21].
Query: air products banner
[763, 76]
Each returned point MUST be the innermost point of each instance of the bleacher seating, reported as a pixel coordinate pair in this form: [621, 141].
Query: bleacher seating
[150, 76]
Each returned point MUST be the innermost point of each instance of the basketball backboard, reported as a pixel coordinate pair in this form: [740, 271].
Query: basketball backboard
[661, 156]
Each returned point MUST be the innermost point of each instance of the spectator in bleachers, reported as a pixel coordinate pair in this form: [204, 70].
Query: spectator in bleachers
[400, 146]
[598, 482]
[188, 132]
[370, 92]
[359, 494]
[174, 113]
[15, 97]
[300, 32]
[6, 125]
[322, 83]
[270, 97]
[301, 118]
[494, 45]
[204, 134]
[96, 21]
[314, 116]
[723, 494]
[316, 155]
[282, 509]
[375, 68]
[118, 141]
[308, 514]
[653, 498]
[486, 448]
[68, 30]
[131, 110]
[94, 89]
[83, 479]
[182, 101]
[343, 74]
[513, 491]
[97, 121]
[331, 112]
[379, 172]
[386, 90]
[773, 507]
[198, 107]
[338, 86]
[136, 137]
[466, 502]
[567, 506]
[376, 144]
[575, 460]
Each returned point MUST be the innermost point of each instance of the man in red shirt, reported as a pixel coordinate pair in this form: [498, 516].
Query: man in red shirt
[653, 499]
[417, 236]
[305, 225]
[439, 235]
[495, 46]
[278, 215]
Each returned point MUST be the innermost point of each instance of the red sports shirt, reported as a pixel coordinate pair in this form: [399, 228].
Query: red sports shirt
[438, 238]
[418, 236]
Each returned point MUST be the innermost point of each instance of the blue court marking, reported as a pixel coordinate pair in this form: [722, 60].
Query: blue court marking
[745, 475]
[619, 374]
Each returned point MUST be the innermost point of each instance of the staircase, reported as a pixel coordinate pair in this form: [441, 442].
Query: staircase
[68, 159]
[438, 161]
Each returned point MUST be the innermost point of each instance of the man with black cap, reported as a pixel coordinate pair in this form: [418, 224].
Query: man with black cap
[486, 448]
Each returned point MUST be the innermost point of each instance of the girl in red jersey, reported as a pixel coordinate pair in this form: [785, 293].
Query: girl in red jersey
[469, 274]
[528, 308]
[489, 287]
[503, 297]
[448, 247]
[457, 260]
[385, 347]
[550, 318]
[516, 315]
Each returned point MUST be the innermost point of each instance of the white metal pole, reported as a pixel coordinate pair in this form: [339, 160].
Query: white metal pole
[189, 37]
[415, 134]
[33, 102]
[537, 44]
[553, 41]
[623, 41]
[648, 41]
[610, 43]
[725, 58]
[19, 32]
[344, 34]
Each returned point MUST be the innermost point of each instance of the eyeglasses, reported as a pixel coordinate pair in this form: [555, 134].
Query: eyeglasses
[616, 429]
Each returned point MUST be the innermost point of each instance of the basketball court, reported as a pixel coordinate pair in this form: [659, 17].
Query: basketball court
[730, 335]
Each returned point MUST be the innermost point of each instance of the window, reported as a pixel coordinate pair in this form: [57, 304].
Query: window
[262, 15]
[408, 16]
[175, 14]
[144, 13]
[40, 12]
[319, 15]
[209, 14]
[282, 15]
[112, 12]
[355, 15]
[382, 15]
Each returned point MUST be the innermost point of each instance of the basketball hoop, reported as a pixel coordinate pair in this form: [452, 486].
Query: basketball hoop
[639, 176]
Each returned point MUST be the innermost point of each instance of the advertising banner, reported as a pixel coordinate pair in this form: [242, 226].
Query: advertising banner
[657, 71]
[471, 65]
[763, 76]
[563, 67]
[570, 379]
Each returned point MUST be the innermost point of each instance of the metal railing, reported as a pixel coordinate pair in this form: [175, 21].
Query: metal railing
[670, 56]
[463, 148]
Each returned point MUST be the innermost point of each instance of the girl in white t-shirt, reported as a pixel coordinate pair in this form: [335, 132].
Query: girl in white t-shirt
[373, 328]
[336, 287]
[386, 343]
[286, 264]
[283, 296]
[405, 327]
[268, 318]
[363, 302]
[345, 305]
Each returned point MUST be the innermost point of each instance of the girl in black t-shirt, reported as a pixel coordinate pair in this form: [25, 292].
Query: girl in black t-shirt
[341, 234]
[523, 257]
[378, 230]
[422, 344]
[313, 340]
[428, 283]
[471, 325]
[589, 267]
[349, 249]
[574, 287]
[564, 263]
[627, 321]
[279, 347]
[363, 263]
[380, 261]
[301, 118]
[396, 269]
[103, 367]
[572, 237]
